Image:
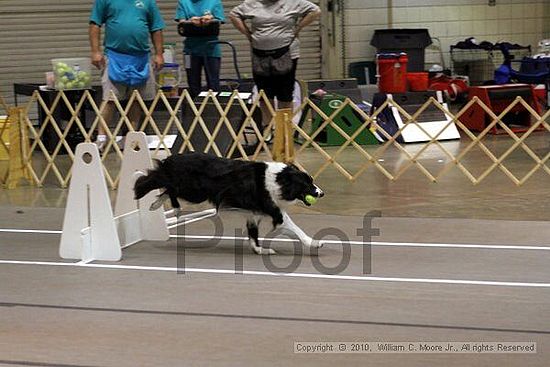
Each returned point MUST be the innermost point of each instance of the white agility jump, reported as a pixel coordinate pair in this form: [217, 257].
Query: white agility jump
[90, 229]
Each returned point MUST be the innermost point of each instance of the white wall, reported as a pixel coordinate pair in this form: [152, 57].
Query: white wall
[516, 21]
[547, 18]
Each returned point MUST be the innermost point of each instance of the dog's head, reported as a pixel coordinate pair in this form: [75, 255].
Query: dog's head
[296, 185]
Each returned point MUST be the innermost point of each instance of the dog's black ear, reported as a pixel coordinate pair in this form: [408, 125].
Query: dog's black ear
[303, 174]
[145, 184]
[292, 183]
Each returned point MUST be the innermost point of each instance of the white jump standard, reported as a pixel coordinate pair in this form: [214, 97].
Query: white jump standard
[90, 230]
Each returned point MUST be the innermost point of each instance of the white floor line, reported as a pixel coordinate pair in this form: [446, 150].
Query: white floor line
[82, 262]
[330, 242]
[41, 231]
[285, 275]
[377, 243]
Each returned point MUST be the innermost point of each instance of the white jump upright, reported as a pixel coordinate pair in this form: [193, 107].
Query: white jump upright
[137, 160]
[90, 230]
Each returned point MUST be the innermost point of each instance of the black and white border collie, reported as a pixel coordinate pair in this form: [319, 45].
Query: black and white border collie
[259, 188]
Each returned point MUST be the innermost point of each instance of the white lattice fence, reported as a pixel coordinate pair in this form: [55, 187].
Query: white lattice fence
[57, 161]
[112, 154]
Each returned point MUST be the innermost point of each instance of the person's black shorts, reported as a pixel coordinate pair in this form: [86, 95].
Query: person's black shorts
[280, 86]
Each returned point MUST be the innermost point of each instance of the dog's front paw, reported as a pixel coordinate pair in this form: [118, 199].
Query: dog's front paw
[156, 204]
[310, 242]
[264, 251]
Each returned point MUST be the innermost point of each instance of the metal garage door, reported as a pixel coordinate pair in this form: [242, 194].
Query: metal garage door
[33, 32]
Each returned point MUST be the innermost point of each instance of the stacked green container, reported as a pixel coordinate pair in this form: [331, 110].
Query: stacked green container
[348, 120]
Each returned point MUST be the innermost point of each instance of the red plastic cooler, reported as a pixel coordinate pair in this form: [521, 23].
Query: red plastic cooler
[418, 82]
[392, 72]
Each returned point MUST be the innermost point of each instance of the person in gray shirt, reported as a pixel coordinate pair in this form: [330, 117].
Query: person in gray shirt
[273, 35]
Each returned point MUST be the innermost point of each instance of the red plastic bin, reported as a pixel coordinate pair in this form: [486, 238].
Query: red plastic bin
[392, 72]
[418, 82]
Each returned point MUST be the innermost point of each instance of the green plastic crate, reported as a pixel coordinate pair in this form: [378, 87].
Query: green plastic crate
[348, 120]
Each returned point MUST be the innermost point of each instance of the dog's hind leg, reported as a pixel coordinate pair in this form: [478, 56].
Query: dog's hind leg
[290, 227]
[252, 227]
[176, 205]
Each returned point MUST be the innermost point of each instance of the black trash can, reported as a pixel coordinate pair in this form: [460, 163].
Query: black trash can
[411, 41]
[362, 70]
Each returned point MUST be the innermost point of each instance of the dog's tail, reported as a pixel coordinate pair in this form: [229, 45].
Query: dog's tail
[153, 180]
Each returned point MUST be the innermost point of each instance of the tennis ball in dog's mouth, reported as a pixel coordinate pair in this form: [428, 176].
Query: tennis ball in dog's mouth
[310, 199]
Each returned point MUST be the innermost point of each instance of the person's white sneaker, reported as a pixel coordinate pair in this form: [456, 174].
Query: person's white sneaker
[101, 142]
[120, 140]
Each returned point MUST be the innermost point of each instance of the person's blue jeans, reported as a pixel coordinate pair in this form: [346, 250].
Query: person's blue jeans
[211, 66]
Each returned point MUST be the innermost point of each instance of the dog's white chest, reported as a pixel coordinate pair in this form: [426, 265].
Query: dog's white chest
[271, 184]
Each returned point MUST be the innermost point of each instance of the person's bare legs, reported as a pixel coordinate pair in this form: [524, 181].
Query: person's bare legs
[107, 115]
[266, 114]
[134, 115]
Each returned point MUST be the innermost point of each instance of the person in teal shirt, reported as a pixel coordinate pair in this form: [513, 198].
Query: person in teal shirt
[125, 61]
[201, 12]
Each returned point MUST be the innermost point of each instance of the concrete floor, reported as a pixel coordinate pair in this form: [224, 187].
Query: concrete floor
[421, 282]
